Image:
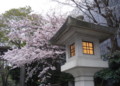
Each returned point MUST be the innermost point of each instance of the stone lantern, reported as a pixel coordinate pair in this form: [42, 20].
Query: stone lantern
[82, 40]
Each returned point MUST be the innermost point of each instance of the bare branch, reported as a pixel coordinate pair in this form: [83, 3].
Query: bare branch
[82, 9]
[64, 3]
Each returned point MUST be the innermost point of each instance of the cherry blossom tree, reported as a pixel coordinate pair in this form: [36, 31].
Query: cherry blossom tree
[29, 36]
[33, 38]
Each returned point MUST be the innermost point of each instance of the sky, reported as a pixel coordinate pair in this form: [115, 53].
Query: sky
[38, 6]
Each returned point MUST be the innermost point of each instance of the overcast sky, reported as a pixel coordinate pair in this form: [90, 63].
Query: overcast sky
[38, 6]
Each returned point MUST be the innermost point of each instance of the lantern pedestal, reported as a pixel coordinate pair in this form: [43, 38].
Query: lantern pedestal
[84, 81]
[83, 70]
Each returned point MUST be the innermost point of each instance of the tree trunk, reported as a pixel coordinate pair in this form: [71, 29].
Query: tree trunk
[114, 44]
[22, 76]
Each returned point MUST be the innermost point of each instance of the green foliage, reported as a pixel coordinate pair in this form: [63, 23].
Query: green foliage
[114, 61]
[107, 74]
[3, 30]
[65, 78]
[3, 37]
[4, 72]
[2, 24]
[15, 75]
[17, 13]
[113, 72]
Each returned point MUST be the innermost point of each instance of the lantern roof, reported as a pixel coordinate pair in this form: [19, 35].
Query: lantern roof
[74, 25]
